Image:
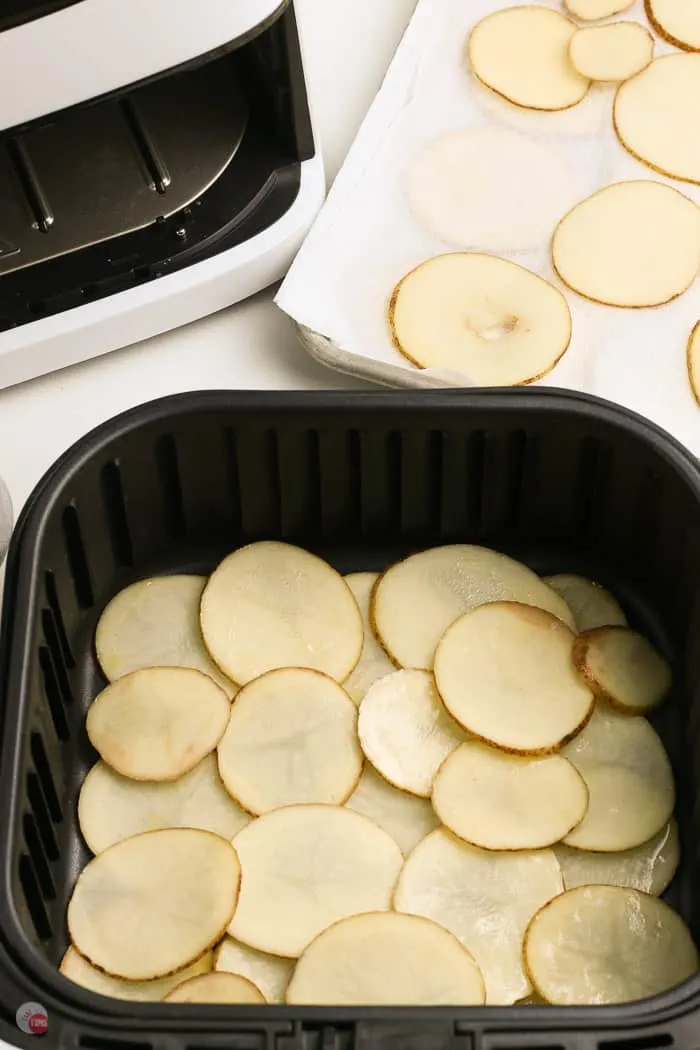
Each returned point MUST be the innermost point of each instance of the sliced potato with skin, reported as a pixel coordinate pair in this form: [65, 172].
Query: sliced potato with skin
[407, 818]
[591, 605]
[693, 361]
[602, 945]
[649, 867]
[216, 988]
[271, 605]
[677, 21]
[623, 668]
[485, 899]
[154, 903]
[416, 600]
[612, 52]
[374, 663]
[405, 731]
[508, 802]
[505, 673]
[157, 723]
[80, 971]
[306, 867]
[291, 737]
[629, 779]
[386, 959]
[521, 53]
[112, 807]
[596, 10]
[270, 973]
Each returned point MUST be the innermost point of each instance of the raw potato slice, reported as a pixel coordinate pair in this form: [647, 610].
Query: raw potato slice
[595, 10]
[656, 115]
[154, 903]
[273, 605]
[157, 723]
[385, 959]
[631, 244]
[590, 603]
[612, 52]
[405, 817]
[521, 53]
[649, 867]
[677, 21]
[505, 673]
[269, 973]
[601, 945]
[461, 188]
[405, 731]
[489, 318]
[112, 807]
[629, 778]
[80, 971]
[623, 668]
[506, 802]
[417, 599]
[292, 737]
[485, 899]
[693, 357]
[306, 867]
[155, 623]
[216, 988]
[374, 663]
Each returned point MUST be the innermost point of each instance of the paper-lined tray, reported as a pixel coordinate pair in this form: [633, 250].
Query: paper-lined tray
[367, 236]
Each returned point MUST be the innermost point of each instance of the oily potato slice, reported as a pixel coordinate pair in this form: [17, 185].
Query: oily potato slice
[216, 988]
[112, 807]
[386, 959]
[487, 317]
[624, 668]
[270, 973]
[649, 867]
[505, 673]
[508, 802]
[631, 244]
[612, 52]
[601, 945]
[591, 605]
[155, 623]
[693, 361]
[306, 867]
[373, 663]
[157, 723]
[154, 903]
[271, 605]
[80, 971]
[629, 779]
[677, 21]
[416, 600]
[485, 899]
[291, 737]
[521, 53]
[595, 10]
[405, 731]
[407, 818]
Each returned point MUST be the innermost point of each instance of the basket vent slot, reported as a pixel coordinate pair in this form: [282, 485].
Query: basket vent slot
[234, 479]
[657, 1041]
[476, 474]
[52, 692]
[55, 607]
[56, 652]
[115, 514]
[42, 817]
[43, 772]
[171, 486]
[77, 558]
[38, 857]
[33, 899]
[353, 468]
[516, 452]
[592, 485]
[271, 467]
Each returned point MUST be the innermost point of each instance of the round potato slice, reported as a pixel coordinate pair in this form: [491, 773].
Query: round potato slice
[693, 361]
[155, 623]
[490, 318]
[80, 971]
[270, 973]
[524, 693]
[591, 605]
[521, 53]
[216, 988]
[595, 10]
[154, 903]
[374, 663]
[656, 115]
[291, 737]
[485, 899]
[405, 731]
[631, 244]
[623, 668]
[385, 959]
[613, 52]
[629, 779]
[157, 723]
[306, 867]
[112, 807]
[649, 867]
[416, 600]
[599, 945]
[273, 605]
[405, 817]
[677, 21]
[507, 802]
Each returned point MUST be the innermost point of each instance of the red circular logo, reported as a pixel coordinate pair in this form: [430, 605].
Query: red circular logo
[32, 1019]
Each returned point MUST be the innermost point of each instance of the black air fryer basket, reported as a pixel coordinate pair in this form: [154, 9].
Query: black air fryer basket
[564, 482]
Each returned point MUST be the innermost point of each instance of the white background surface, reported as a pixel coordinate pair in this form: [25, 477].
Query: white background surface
[348, 45]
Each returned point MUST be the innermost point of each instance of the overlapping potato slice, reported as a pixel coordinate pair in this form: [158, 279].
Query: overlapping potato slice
[612, 52]
[624, 668]
[291, 737]
[80, 971]
[373, 663]
[599, 945]
[677, 21]
[649, 867]
[591, 605]
[693, 361]
[216, 988]
[386, 959]
[407, 818]
[595, 10]
[271, 605]
[270, 973]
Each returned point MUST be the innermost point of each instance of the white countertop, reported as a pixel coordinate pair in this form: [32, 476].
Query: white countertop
[348, 45]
